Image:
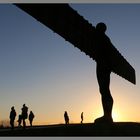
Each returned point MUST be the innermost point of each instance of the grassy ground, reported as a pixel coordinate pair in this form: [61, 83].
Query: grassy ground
[92, 129]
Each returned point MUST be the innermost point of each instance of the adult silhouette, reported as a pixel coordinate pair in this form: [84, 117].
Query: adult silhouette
[82, 117]
[31, 117]
[24, 114]
[12, 117]
[103, 71]
[66, 117]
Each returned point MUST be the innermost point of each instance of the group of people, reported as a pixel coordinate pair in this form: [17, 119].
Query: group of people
[22, 117]
[66, 117]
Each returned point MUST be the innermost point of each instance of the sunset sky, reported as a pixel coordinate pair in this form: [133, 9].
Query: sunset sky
[39, 68]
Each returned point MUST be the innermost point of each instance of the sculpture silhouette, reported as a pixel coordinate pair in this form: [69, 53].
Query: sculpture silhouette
[103, 72]
[12, 117]
[90, 40]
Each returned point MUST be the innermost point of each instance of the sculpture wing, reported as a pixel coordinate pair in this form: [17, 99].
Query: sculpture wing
[66, 22]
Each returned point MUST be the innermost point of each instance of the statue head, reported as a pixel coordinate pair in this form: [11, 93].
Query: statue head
[101, 27]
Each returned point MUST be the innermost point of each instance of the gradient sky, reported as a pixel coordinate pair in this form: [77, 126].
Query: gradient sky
[42, 70]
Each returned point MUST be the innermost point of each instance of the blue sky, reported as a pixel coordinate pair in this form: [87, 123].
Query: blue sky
[41, 69]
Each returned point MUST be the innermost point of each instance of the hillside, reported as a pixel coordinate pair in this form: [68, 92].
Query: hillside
[91, 129]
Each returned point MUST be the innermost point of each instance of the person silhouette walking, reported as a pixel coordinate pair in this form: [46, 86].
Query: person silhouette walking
[12, 117]
[24, 114]
[82, 117]
[66, 117]
[31, 117]
[103, 71]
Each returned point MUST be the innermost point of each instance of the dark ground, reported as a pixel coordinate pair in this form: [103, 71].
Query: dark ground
[90, 129]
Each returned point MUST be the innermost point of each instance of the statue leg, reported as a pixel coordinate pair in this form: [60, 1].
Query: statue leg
[103, 77]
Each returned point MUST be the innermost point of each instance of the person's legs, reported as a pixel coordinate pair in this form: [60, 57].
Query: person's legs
[82, 120]
[24, 123]
[12, 123]
[66, 121]
[31, 122]
[103, 77]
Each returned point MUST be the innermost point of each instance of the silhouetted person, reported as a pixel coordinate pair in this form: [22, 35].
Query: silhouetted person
[12, 117]
[82, 117]
[103, 71]
[66, 117]
[24, 114]
[31, 117]
[19, 120]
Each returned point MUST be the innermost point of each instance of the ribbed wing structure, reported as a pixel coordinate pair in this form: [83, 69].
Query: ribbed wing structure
[66, 22]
